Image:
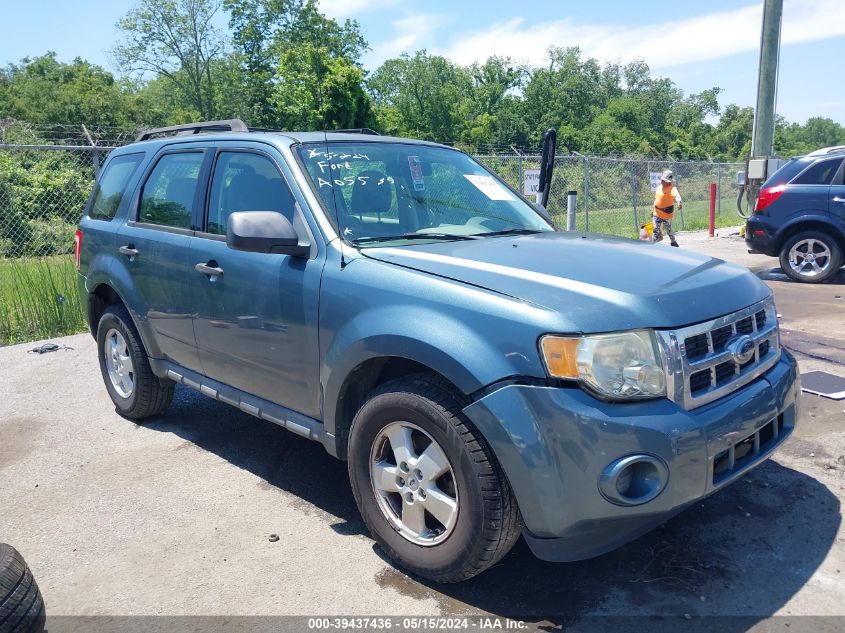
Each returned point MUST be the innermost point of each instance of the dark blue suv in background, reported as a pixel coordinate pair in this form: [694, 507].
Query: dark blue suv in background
[800, 216]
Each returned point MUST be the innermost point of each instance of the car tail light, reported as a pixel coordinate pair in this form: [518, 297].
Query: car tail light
[767, 196]
[77, 248]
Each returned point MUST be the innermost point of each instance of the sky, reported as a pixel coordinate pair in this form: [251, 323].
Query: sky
[697, 44]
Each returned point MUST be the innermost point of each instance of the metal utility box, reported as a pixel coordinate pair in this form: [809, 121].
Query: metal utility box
[762, 168]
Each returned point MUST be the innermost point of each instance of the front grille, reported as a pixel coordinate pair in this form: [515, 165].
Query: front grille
[714, 356]
[697, 346]
[743, 453]
[725, 371]
[720, 337]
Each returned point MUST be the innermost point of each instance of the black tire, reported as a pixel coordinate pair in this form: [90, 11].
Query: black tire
[488, 522]
[831, 265]
[150, 394]
[21, 604]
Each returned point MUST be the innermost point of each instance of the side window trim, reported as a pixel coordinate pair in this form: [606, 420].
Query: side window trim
[136, 200]
[202, 224]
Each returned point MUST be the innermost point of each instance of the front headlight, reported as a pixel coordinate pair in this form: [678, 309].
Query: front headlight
[622, 366]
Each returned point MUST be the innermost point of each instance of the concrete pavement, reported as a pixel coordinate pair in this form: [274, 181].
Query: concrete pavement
[173, 516]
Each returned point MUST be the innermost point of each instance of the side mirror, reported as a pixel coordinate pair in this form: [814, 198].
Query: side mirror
[263, 232]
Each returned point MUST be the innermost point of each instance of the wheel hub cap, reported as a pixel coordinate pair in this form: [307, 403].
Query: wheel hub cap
[809, 258]
[414, 483]
[119, 365]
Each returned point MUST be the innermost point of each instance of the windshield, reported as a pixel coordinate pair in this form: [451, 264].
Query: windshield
[381, 193]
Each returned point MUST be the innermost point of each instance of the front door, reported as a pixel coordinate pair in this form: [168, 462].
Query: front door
[256, 318]
[837, 198]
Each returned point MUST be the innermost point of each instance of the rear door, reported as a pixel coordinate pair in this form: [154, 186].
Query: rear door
[808, 192]
[256, 321]
[154, 248]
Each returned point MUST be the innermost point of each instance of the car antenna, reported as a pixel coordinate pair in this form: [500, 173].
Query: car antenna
[334, 197]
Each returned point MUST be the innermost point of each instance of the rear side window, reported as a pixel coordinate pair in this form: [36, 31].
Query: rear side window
[792, 168]
[168, 195]
[112, 184]
[821, 173]
[244, 181]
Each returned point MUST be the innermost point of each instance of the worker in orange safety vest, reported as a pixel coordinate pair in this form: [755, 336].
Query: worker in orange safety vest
[665, 198]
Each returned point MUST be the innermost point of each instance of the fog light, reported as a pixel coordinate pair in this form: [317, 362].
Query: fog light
[633, 480]
[623, 481]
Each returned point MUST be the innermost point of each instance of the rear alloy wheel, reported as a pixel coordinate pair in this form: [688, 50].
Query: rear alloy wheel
[427, 483]
[136, 392]
[810, 257]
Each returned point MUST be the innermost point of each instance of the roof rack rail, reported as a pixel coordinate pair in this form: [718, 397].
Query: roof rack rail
[358, 130]
[230, 125]
[827, 150]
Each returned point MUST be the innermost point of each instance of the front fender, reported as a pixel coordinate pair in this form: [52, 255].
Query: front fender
[423, 335]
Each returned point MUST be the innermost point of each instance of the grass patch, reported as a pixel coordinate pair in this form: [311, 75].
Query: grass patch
[620, 221]
[38, 299]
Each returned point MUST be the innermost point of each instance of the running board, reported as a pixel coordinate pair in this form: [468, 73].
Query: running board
[295, 422]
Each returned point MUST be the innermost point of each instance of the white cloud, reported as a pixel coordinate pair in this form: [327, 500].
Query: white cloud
[661, 44]
[351, 8]
[411, 33]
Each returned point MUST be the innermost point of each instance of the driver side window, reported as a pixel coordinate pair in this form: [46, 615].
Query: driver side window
[245, 181]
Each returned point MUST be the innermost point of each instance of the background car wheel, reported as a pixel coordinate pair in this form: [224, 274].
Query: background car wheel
[21, 604]
[810, 257]
[427, 484]
[135, 390]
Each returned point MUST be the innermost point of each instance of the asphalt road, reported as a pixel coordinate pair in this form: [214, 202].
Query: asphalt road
[173, 517]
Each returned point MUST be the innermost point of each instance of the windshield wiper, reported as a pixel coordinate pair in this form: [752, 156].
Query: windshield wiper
[508, 232]
[413, 236]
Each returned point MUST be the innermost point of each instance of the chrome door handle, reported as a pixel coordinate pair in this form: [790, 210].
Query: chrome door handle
[839, 199]
[128, 250]
[212, 271]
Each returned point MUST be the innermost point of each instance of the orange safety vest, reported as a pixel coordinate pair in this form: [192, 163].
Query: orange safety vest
[664, 199]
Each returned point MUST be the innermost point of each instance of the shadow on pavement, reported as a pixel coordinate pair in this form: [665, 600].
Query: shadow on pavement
[743, 552]
[777, 274]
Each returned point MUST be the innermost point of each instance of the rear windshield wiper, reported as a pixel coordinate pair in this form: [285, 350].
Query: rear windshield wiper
[413, 236]
[508, 232]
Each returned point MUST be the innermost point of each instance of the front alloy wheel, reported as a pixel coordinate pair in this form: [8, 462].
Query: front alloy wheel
[414, 483]
[426, 482]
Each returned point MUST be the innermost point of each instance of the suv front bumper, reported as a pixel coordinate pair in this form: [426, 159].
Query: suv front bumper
[554, 443]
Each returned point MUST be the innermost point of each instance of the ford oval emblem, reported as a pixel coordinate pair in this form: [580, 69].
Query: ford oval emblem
[742, 349]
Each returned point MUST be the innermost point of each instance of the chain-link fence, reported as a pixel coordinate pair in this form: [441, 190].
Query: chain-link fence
[615, 196]
[43, 189]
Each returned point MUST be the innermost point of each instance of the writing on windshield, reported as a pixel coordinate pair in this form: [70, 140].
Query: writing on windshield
[380, 190]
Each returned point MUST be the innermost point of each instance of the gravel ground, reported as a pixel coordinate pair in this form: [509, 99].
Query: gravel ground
[174, 517]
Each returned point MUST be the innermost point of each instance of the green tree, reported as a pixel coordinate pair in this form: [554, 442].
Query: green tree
[420, 96]
[275, 40]
[175, 40]
[314, 90]
[733, 132]
[43, 90]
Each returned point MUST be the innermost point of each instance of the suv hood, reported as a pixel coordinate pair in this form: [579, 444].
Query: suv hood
[599, 283]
